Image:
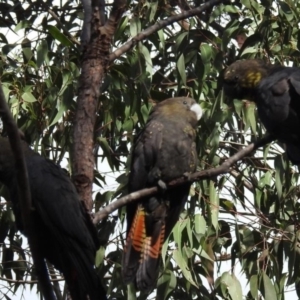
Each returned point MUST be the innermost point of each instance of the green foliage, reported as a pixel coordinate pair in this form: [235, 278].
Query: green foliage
[247, 217]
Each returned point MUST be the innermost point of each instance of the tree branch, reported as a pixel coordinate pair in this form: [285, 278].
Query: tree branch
[87, 17]
[116, 13]
[159, 25]
[206, 174]
[25, 197]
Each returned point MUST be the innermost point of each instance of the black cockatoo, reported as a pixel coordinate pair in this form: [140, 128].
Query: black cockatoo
[66, 234]
[276, 92]
[164, 150]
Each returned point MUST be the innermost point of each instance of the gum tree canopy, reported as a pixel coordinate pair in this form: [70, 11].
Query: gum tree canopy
[81, 96]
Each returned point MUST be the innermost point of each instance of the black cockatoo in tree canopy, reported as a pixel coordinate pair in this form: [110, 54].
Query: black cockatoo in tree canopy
[164, 150]
[66, 234]
[276, 92]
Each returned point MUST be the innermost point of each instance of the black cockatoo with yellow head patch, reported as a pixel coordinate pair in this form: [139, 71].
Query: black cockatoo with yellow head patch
[65, 232]
[276, 92]
[164, 150]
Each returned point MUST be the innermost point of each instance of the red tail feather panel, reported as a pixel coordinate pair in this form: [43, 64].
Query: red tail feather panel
[137, 233]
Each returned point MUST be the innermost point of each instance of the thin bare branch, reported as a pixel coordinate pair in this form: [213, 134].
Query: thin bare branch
[159, 25]
[206, 174]
[28, 281]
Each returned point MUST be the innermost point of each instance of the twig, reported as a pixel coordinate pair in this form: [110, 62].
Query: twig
[206, 174]
[61, 25]
[25, 196]
[27, 281]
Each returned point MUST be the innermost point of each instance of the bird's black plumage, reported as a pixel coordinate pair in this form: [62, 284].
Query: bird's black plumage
[164, 150]
[276, 92]
[66, 235]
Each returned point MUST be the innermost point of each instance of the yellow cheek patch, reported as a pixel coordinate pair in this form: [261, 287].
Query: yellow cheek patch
[252, 79]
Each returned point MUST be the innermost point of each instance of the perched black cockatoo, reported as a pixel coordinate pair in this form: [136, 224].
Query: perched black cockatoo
[66, 234]
[164, 150]
[276, 92]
